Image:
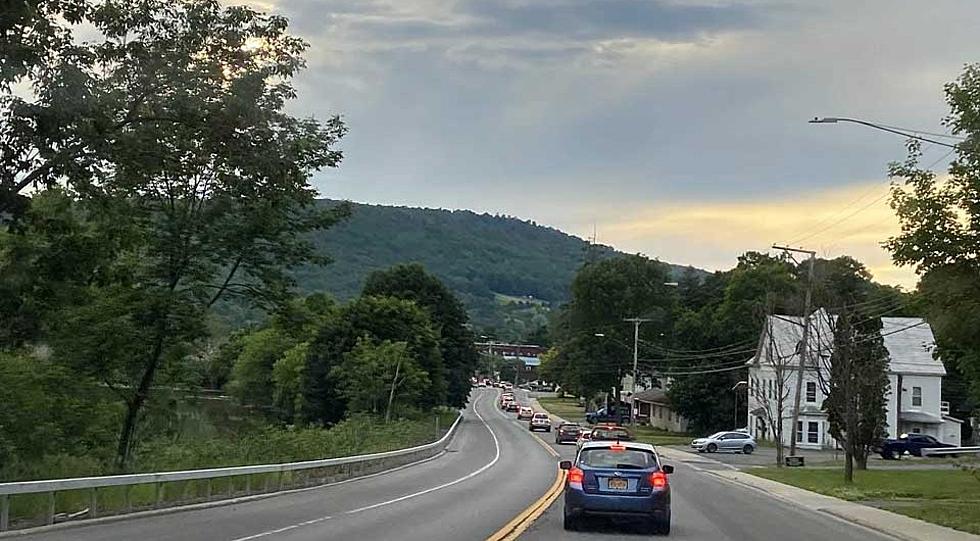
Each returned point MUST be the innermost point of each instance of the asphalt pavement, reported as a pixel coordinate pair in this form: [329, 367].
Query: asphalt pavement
[705, 507]
[492, 470]
[490, 473]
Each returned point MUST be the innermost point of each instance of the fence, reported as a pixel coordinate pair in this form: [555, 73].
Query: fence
[274, 478]
[948, 451]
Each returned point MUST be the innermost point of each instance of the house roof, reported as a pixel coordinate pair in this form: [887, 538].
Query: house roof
[652, 395]
[911, 346]
[920, 417]
[909, 341]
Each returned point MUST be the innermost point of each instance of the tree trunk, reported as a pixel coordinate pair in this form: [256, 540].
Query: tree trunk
[848, 463]
[391, 395]
[135, 405]
[861, 459]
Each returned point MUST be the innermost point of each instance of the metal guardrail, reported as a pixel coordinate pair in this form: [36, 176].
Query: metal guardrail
[946, 451]
[53, 486]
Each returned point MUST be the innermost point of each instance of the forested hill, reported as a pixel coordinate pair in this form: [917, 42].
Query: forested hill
[489, 261]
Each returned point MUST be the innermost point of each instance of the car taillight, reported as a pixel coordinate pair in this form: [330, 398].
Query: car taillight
[658, 479]
[576, 475]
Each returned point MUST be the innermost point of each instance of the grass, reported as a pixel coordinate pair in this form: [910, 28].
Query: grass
[360, 435]
[568, 409]
[947, 497]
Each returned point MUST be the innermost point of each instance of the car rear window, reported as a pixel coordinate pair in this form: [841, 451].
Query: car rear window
[636, 459]
[540, 415]
[569, 428]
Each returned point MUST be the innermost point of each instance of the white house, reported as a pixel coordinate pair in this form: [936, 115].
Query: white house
[915, 376]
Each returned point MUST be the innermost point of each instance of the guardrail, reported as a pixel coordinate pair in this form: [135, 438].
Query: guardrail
[52, 487]
[946, 451]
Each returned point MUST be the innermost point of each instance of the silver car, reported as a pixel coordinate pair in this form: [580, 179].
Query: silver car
[737, 442]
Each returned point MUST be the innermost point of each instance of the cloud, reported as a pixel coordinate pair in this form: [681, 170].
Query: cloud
[851, 221]
[574, 111]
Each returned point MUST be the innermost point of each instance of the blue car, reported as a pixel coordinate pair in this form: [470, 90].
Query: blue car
[618, 479]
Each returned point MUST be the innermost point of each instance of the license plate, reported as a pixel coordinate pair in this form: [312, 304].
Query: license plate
[618, 484]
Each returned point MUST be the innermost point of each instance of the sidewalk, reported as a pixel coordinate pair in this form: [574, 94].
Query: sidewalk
[899, 526]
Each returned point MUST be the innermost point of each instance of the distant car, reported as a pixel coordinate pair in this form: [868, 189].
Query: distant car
[508, 386]
[605, 432]
[525, 413]
[540, 421]
[512, 406]
[738, 442]
[608, 415]
[506, 401]
[912, 444]
[567, 432]
[583, 437]
[623, 479]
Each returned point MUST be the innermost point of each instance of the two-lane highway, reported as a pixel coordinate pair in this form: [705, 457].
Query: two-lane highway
[705, 507]
[491, 472]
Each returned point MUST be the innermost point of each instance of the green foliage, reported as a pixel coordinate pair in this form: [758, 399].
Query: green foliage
[288, 375]
[251, 377]
[603, 293]
[858, 386]
[940, 233]
[412, 282]
[376, 377]
[50, 416]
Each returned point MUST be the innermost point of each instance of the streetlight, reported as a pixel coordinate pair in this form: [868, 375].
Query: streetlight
[735, 390]
[835, 120]
[636, 356]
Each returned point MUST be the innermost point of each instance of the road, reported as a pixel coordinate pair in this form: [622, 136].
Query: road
[467, 493]
[492, 471]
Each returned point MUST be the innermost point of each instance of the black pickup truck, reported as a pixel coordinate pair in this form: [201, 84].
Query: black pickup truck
[912, 444]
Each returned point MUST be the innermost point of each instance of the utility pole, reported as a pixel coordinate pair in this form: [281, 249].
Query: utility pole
[805, 354]
[636, 355]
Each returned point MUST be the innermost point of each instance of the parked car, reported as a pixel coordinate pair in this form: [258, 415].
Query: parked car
[567, 432]
[612, 414]
[738, 442]
[912, 444]
[525, 413]
[540, 421]
[620, 479]
[512, 407]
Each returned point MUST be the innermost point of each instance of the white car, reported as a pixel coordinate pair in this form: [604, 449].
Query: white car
[525, 413]
[540, 421]
[738, 442]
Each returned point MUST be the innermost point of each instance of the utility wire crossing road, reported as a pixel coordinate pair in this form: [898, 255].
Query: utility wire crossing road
[492, 472]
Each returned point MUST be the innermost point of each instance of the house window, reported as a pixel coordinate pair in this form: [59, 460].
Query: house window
[916, 430]
[812, 432]
[799, 431]
[811, 391]
[769, 382]
[917, 397]
[670, 415]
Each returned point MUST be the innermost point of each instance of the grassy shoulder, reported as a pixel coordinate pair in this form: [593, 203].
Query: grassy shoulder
[947, 497]
[361, 434]
[568, 409]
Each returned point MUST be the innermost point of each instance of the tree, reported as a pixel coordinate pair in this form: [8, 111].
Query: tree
[377, 319]
[171, 134]
[779, 367]
[603, 293]
[412, 282]
[856, 386]
[728, 320]
[940, 226]
[378, 376]
[252, 376]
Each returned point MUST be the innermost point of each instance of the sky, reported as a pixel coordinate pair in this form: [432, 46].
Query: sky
[674, 128]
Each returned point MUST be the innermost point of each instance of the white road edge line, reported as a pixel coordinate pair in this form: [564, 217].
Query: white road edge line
[496, 444]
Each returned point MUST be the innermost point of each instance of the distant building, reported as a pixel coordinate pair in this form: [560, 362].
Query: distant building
[529, 354]
[915, 378]
[654, 408]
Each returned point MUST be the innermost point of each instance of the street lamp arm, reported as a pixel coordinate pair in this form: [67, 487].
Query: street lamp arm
[835, 120]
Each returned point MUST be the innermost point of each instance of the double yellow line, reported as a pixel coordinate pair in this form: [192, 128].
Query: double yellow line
[520, 523]
[513, 529]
